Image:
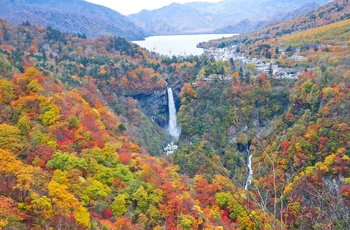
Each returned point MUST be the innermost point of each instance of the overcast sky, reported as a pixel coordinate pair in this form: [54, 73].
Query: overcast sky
[127, 7]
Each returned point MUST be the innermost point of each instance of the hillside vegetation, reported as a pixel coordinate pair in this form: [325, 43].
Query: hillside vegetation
[334, 11]
[73, 16]
[78, 152]
[300, 157]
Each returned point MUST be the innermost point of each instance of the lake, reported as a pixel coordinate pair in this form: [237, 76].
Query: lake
[178, 44]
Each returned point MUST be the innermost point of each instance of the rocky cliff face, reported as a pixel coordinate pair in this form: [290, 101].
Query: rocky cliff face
[155, 105]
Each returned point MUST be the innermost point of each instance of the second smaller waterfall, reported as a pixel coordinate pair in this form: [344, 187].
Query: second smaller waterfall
[250, 175]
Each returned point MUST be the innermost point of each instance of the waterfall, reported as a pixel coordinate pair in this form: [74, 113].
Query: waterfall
[250, 175]
[173, 129]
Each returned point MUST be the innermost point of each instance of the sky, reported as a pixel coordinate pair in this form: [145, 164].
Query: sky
[127, 7]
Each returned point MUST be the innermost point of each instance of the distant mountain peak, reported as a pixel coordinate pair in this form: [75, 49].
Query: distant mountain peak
[211, 17]
[72, 16]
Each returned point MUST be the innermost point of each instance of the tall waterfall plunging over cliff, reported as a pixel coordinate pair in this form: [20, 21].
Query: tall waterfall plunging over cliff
[173, 129]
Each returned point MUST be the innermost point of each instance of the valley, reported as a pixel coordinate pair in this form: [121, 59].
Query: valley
[97, 132]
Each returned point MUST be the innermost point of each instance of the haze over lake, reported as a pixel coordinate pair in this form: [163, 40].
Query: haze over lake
[178, 44]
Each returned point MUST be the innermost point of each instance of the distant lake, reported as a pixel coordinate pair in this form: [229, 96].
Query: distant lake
[178, 44]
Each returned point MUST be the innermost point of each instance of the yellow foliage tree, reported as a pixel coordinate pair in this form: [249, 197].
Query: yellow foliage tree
[6, 91]
[10, 138]
[82, 216]
[50, 116]
[119, 205]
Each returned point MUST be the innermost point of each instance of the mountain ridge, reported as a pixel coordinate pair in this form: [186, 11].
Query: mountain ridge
[246, 25]
[215, 17]
[332, 12]
[75, 16]
[148, 19]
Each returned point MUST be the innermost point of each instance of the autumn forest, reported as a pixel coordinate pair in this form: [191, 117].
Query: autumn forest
[82, 132]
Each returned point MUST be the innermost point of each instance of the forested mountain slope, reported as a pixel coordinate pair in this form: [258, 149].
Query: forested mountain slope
[297, 136]
[332, 12]
[73, 16]
[75, 146]
[69, 152]
[78, 63]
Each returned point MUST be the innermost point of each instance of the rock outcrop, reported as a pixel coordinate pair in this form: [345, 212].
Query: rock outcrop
[155, 105]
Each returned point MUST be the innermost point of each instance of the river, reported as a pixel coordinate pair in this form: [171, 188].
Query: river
[178, 45]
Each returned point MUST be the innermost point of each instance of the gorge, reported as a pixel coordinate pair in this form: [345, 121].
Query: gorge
[84, 124]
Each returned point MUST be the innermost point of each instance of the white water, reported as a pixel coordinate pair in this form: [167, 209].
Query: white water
[170, 148]
[250, 176]
[173, 129]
